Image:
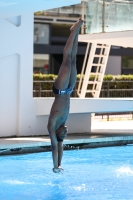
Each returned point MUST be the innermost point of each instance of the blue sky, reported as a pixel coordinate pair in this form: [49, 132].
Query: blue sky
[17, 7]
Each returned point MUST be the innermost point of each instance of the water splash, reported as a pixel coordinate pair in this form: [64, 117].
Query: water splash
[78, 188]
[52, 184]
[124, 171]
[17, 182]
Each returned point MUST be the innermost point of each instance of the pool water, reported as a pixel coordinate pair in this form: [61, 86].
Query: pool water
[90, 174]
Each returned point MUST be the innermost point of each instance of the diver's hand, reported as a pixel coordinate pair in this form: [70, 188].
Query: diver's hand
[58, 170]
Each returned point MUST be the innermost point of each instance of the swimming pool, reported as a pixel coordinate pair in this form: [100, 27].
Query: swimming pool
[90, 174]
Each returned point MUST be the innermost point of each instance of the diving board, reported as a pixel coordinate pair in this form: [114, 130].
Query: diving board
[87, 105]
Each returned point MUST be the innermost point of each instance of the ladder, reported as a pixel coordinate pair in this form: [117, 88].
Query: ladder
[94, 66]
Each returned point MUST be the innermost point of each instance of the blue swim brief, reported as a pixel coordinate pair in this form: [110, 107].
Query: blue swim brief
[64, 91]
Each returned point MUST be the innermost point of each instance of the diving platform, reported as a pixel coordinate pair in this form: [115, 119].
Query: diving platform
[117, 38]
[87, 105]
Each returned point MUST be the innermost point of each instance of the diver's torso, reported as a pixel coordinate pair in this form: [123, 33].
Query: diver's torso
[60, 110]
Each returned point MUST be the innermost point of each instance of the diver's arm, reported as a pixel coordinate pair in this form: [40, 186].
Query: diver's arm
[60, 153]
[54, 145]
[61, 134]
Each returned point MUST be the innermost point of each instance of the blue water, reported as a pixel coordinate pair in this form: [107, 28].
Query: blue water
[91, 174]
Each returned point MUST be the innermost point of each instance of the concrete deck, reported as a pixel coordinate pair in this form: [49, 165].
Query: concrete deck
[106, 133]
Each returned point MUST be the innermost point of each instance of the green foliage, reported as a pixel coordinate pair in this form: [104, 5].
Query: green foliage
[108, 77]
[118, 82]
[44, 77]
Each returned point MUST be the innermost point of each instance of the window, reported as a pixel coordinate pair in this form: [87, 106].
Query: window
[41, 63]
[127, 62]
[41, 33]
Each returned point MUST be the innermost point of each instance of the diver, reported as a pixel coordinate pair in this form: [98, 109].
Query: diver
[62, 88]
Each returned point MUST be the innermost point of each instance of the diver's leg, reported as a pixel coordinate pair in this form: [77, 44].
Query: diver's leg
[62, 80]
[73, 63]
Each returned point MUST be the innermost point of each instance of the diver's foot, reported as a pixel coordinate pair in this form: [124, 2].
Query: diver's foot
[77, 25]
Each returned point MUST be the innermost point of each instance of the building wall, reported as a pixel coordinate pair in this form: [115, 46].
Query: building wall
[113, 65]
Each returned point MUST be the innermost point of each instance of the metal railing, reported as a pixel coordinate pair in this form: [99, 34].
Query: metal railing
[106, 91]
[109, 89]
[114, 116]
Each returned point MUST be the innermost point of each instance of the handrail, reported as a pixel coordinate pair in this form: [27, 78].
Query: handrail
[38, 89]
[124, 2]
[83, 69]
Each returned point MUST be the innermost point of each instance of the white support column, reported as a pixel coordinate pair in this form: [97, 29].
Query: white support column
[17, 108]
